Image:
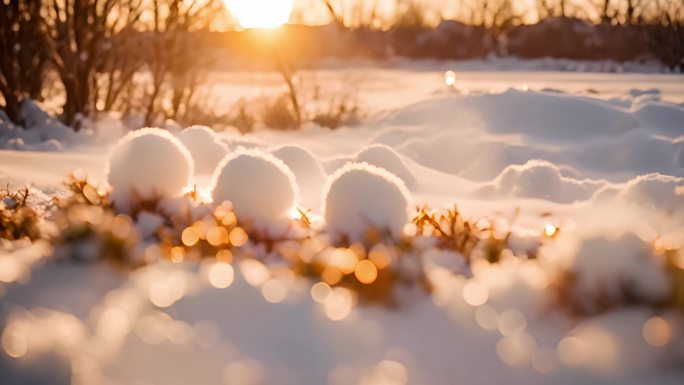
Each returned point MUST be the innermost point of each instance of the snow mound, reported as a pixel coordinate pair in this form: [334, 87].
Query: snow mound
[205, 147]
[545, 117]
[385, 157]
[652, 192]
[150, 162]
[612, 272]
[306, 169]
[260, 186]
[540, 179]
[360, 197]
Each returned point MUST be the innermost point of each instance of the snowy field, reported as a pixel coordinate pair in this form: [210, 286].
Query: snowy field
[584, 171]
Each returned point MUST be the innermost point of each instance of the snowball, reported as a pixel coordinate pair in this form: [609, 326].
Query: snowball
[307, 171]
[260, 186]
[205, 147]
[149, 162]
[385, 157]
[359, 197]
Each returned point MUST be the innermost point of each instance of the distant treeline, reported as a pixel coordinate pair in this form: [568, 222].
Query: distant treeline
[559, 37]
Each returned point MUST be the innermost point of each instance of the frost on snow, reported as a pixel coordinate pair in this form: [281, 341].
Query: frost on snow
[260, 186]
[150, 163]
[360, 197]
[385, 157]
[205, 147]
[306, 169]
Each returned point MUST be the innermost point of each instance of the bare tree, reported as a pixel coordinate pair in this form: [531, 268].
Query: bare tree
[120, 57]
[170, 66]
[23, 54]
[667, 35]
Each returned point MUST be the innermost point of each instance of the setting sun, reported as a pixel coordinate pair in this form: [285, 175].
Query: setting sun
[260, 13]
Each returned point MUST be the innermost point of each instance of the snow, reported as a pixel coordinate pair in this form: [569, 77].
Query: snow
[615, 271]
[385, 157]
[360, 197]
[306, 169]
[600, 156]
[149, 163]
[540, 179]
[260, 186]
[205, 146]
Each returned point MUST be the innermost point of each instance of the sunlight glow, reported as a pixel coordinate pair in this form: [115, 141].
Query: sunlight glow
[260, 13]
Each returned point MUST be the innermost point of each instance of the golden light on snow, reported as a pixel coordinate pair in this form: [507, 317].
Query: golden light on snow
[320, 292]
[486, 317]
[517, 350]
[177, 254]
[10, 270]
[379, 256]
[190, 236]
[450, 78]
[550, 230]
[221, 275]
[217, 236]
[113, 325]
[238, 237]
[254, 272]
[387, 372]
[331, 275]
[657, 331]
[343, 259]
[572, 351]
[224, 255]
[165, 293]
[475, 294]
[511, 322]
[339, 304]
[274, 290]
[260, 13]
[294, 213]
[14, 343]
[366, 272]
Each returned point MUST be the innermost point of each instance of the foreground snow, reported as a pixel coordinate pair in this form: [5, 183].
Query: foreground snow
[594, 167]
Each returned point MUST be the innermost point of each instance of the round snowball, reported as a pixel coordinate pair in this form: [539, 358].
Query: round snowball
[306, 169]
[359, 197]
[385, 157]
[150, 163]
[205, 147]
[260, 186]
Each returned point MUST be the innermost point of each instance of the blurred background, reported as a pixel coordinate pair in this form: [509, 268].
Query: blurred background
[153, 61]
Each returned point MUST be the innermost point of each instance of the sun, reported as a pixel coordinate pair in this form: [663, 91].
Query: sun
[260, 13]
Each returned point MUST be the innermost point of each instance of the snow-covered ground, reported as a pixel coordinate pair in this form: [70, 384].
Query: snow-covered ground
[595, 155]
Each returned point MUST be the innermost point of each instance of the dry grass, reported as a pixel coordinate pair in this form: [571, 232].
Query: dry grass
[17, 219]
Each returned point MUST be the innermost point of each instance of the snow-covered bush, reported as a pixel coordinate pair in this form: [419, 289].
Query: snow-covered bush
[260, 186]
[385, 157]
[605, 273]
[206, 148]
[148, 163]
[360, 198]
[306, 169]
